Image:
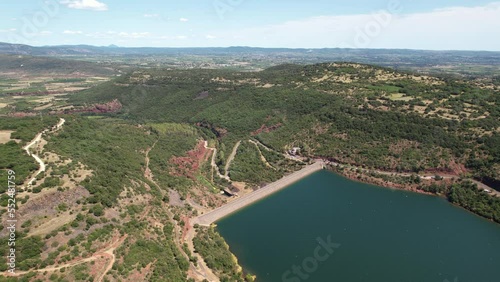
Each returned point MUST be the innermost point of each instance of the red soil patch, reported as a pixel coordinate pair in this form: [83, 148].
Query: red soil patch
[99, 266]
[186, 228]
[454, 168]
[140, 275]
[21, 114]
[109, 107]
[189, 165]
[266, 129]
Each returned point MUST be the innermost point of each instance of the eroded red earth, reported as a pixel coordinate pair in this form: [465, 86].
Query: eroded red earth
[188, 165]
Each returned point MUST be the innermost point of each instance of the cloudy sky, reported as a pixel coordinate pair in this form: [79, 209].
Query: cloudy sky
[410, 24]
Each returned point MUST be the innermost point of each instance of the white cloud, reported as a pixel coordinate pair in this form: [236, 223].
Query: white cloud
[134, 35]
[208, 36]
[8, 30]
[471, 28]
[73, 32]
[85, 5]
[181, 37]
[151, 15]
[118, 35]
[183, 20]
[41, 33]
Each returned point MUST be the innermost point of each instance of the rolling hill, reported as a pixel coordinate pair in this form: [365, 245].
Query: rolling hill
[356, 113]
[123, 186]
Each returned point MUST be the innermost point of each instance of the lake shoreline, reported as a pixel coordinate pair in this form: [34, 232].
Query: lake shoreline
[333, 202]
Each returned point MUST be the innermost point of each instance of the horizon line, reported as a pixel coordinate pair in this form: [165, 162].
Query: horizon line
[250, 47]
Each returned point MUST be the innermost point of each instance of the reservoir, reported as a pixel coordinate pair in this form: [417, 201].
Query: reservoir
[326, 228]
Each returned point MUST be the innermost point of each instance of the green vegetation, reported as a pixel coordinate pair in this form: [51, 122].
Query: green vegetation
[401, 122]
[173, 140]
[114, 160]
[28, 252]
[317, 116]
[386, 88]
[468, 196]
[27, 128]
[13, 156]
[16, 159]
[248, 167]
[145, 252]
[366, 116]
[217, 255]
[49, 182]
[161, 254]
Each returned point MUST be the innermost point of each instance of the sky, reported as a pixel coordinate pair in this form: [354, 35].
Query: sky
[406, 24]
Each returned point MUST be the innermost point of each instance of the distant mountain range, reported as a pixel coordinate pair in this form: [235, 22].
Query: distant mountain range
[20, 49]
[456, 63]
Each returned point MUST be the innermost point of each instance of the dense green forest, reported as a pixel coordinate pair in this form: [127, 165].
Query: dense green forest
[468, 196]
[173, 140]
[12, 155]
[248, 167]
[99, 144]
[357, 114]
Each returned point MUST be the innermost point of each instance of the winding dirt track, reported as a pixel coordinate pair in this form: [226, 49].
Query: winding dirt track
[37, 140]
[108, 252]
[214, 165]
[262, 157]
[230, 159]
[201, 270]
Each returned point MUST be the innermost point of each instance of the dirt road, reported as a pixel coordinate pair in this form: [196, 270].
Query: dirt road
[214, 165]
[262, 157]
[230, 159]
[201, 271]
[286, 155]
[109, 251]
[34, 142]
[480, 185]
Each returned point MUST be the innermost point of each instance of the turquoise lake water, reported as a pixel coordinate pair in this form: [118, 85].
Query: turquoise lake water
[327, 228]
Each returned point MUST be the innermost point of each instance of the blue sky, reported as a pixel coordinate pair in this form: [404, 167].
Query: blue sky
[423, 24]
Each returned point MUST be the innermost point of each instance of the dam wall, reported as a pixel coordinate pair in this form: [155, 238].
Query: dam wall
[211, 217]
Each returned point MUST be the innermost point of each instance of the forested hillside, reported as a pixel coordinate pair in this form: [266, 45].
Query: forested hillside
[138, 157]
[357, 114]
